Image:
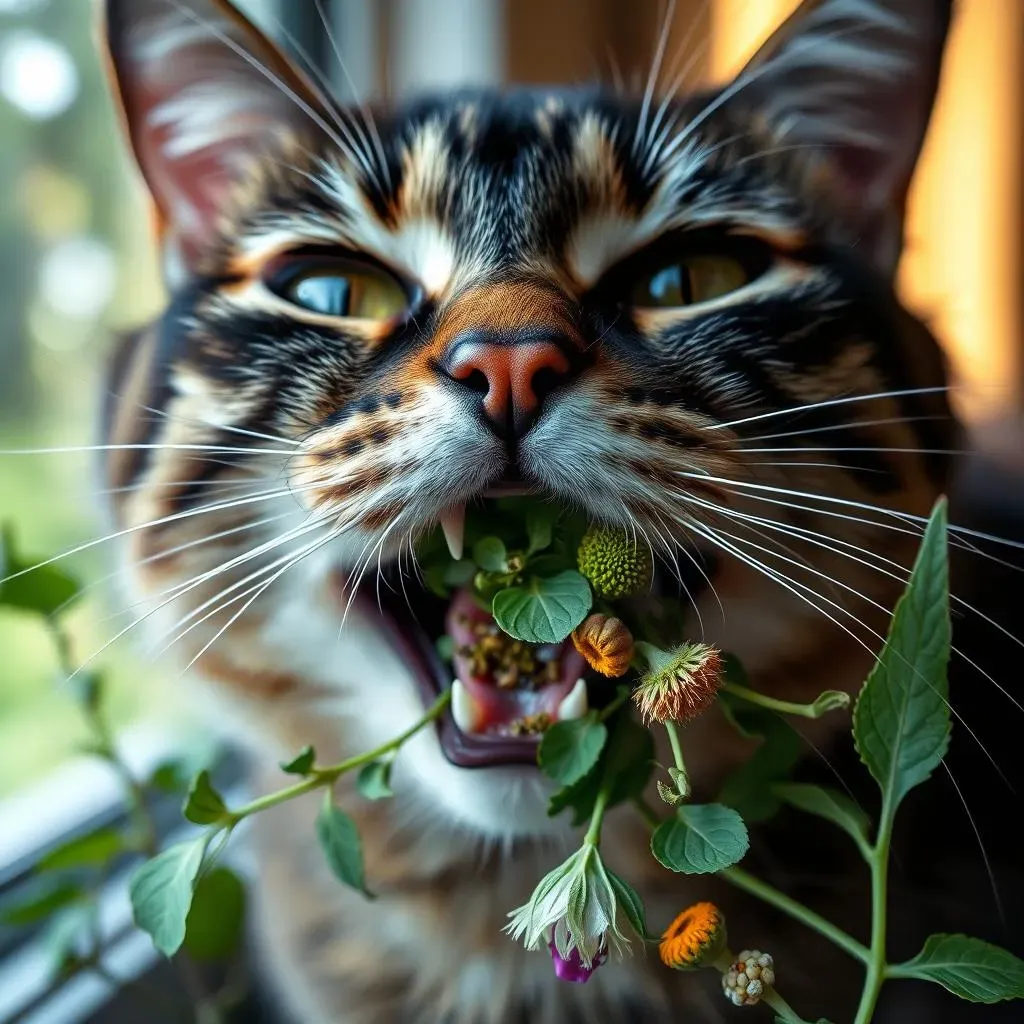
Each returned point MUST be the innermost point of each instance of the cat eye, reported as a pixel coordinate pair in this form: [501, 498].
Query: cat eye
[342, 288]
[689, 280]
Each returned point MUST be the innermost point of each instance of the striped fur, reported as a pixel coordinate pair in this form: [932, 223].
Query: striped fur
[338, 441]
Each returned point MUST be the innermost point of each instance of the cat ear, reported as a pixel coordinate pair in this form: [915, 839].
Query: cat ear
[201, 91]
[856, 78]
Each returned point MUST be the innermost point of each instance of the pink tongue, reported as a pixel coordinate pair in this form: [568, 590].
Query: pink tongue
[500, 707]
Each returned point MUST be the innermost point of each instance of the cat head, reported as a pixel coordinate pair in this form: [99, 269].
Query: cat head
[674, 313]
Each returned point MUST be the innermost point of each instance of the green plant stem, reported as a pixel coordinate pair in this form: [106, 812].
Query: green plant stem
[878, 860]
[784, 707]
[795, 909]
[781, 1007]
[320, 777]
[593, 835]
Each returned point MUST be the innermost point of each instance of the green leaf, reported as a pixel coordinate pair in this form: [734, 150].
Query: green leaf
[445, 647]
[969, 968]
[748, 790]
[570, 749]
[44, 590]
[342, 846]
[91, 850]
[68, 935]
[161, 893]
[829, 700]
[702, 838]
[213, 929]
[458, 574]
[545, 611]
[540, 522]
[301, 763]
[901, 721]
[489, 553]
[87, 689]
[625, 766]
[40, 907]
[374, 780]
[204, 805]
[827, 803]
[631, 904]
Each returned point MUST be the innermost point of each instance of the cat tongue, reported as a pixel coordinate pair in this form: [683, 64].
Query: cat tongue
[506, 687]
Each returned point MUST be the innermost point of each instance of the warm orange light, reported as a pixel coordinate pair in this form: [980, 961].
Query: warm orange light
[962, 268]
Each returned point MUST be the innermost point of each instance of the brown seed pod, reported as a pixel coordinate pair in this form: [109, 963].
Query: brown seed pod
[606, 643]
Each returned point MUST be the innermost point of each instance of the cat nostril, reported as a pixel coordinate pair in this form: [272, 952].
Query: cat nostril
[477, 381]
[544, 381]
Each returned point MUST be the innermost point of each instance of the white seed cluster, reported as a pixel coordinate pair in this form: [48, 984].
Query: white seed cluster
[749, 977]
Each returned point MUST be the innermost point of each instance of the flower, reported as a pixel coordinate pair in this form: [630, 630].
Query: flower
[680, 684]
[694, 938]
[573, 911]
[749, 977]
[606, 643]
[571, 968]
[614, 563]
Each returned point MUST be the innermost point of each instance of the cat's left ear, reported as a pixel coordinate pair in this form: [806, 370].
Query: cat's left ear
[856, 79]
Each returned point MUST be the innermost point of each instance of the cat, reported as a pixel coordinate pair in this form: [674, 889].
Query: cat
[674, 312]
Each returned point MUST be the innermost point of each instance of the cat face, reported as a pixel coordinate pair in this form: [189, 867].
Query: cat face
[674, 314]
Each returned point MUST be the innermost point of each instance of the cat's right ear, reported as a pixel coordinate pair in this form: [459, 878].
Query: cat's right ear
[202, 92]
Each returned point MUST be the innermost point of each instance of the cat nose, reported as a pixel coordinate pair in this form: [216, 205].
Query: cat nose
[512, 379]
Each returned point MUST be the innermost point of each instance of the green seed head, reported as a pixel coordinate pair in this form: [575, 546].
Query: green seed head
[614, 563]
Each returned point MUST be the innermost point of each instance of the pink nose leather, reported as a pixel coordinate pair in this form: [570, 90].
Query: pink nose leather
[511, 373]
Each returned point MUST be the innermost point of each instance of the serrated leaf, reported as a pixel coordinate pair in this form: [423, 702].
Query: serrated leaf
[43, 905]
[301, 763]
[489, 553]
[544, 611]
[570, 749]
[901, 721]
[630, 903]
[374, 780]
[215, 922]
[342, 845]
[826, 803]
[969, 968]
[702, 838]
[540, 522]
[161, 893]
[43, 590]
[204, 805]
[91, 850]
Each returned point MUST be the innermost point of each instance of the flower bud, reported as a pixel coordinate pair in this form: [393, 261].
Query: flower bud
[749, 977]
[606, 643]
[694, 938]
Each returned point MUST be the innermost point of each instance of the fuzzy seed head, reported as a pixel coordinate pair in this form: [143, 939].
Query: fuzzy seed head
[749, 977]
[683, 688]
[614, 563]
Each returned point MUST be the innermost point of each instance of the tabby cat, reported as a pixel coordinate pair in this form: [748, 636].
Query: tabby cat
[674, 312]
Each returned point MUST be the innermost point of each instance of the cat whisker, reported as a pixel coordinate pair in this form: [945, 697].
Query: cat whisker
[886, 421]
[828, 403]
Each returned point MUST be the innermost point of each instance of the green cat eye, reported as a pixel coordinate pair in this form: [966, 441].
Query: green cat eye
[690, 280]
[346, 289]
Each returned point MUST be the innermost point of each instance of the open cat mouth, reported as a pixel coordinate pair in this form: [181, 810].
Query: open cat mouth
[505, 692]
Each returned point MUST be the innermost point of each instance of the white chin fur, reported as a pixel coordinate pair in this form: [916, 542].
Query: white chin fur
[377, 692]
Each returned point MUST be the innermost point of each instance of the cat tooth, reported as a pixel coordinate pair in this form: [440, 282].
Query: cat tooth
[453, 522]
[575, 703]
[464, 709]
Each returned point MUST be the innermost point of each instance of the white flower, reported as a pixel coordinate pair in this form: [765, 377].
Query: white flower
[573, 909]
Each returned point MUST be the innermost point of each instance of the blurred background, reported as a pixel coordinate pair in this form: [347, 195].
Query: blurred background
[76, 262]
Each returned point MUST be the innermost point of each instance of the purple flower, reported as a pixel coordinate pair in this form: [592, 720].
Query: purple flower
[572, 968]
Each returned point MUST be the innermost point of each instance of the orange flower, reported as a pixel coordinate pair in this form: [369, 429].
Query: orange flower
[681, 685]
[606, 643]
[694, 938]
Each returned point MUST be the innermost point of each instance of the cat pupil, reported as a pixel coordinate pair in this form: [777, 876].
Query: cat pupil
[328, 295]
